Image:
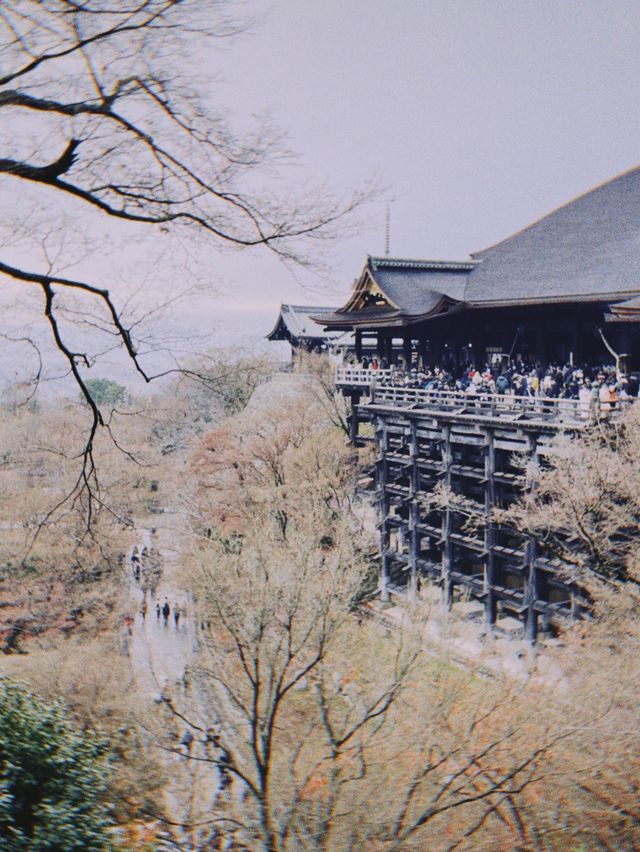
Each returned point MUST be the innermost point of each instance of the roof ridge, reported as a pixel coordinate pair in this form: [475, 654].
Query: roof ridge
[412, 263]
[309, 307]
[555, 210]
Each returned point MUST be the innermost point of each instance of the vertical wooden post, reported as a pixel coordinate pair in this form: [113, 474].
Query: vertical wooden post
[531, 572]
[531, 591]
[447, 587]
[414, 513]
[406, 350]
[384, 511]
[358, 346]
[490, 606]
[423, 352]
[388, 347]
[353, 420]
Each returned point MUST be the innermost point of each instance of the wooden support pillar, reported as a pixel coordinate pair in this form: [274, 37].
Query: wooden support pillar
[531, 572]
[531, 591]
[354, 423]
[358, 346]
[490, 603]
[406, 350]
[422, 353]
[388, 347]
[384, 513]
[414, 513]
[447, 586]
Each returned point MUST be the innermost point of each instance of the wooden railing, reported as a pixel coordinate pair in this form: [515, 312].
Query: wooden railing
[357, 377]
[382, 392]
[498, 405]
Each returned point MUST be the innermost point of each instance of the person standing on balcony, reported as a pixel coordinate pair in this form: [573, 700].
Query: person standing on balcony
[585, 397]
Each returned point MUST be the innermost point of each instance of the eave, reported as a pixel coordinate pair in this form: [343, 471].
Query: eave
[574, 299]
[389, 319]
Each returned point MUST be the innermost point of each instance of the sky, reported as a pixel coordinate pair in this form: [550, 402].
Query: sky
[477, 116]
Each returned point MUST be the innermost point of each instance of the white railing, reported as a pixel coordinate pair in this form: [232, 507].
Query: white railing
[498, 405]
[358, 377]
[382, 392]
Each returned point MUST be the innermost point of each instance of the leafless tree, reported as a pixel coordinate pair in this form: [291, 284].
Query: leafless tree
[323, 388]
[329, 729]
[100, 116]
[584, 505]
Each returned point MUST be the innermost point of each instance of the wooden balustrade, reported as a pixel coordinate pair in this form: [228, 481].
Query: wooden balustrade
[382, 392]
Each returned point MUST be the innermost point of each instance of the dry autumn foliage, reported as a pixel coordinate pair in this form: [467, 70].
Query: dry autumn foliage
[337, 731]
[341, 732]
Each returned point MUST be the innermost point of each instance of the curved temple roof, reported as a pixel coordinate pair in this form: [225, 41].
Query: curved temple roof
[589, 249]
[393, 291]
[295, 321]
[585, 251]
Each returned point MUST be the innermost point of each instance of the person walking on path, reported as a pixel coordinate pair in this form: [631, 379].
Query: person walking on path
[187, 742]
[135, 563]
[166, 611]
[176, 615]
[158, 611]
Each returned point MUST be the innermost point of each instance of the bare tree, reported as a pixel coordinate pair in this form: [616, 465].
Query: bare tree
[322, 386]
[584, 505]
[100, 116]
[330, 730]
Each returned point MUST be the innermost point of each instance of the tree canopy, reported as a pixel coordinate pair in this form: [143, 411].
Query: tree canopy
[106, 391]
[52, 777]
[105, 114]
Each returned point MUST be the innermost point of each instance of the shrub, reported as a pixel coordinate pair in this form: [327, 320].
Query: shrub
[52, 777]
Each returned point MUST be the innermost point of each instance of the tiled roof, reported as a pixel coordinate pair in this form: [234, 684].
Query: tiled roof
[296, 321]
[589, 249]
[413, 289]
[418, 290]
[629, 309]
[586, 251]
[377, 263]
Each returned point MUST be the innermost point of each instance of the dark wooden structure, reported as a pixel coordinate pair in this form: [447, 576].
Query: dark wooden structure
[478, 449]
[303, 328]
[565, 290]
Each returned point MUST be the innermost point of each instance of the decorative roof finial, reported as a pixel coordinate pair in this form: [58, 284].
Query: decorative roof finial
[387, 230]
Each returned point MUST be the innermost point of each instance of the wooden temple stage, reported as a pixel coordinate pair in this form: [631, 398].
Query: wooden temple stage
[562, 293]
[479, 448]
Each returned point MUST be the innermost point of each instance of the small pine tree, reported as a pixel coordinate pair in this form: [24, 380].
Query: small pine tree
[52, 777]
[106, 392]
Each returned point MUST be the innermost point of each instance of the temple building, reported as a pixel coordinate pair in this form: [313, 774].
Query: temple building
[564, 291]
[304, 333]
[566, 288]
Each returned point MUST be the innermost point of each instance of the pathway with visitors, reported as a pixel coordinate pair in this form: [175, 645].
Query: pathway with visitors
[162, 640]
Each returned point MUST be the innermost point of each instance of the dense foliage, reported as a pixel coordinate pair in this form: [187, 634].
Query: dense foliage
[52, 777]
[106, 391]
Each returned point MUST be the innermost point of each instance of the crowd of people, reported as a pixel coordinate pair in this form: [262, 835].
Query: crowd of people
[585, 384]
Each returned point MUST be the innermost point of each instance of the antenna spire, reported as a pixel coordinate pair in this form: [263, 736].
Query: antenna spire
[387, 230]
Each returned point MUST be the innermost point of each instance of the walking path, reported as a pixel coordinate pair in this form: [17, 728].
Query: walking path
[160, 650]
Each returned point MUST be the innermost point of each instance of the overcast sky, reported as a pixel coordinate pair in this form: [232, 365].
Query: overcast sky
[478, 115]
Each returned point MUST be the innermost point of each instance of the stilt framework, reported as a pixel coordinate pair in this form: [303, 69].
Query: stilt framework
[439, 477]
